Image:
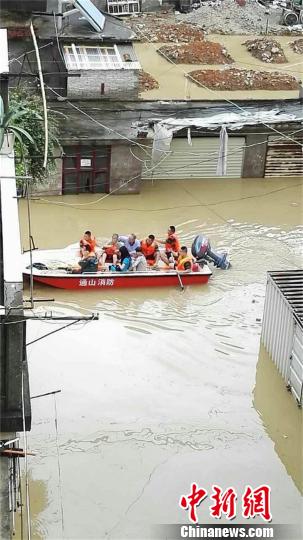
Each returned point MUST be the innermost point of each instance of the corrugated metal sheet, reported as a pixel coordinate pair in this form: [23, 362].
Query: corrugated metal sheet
[282, 327]
[198, 160]
[284, 157]
[296, 364]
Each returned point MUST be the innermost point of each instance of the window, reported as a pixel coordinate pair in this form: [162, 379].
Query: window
[82, 57]
[123, 7]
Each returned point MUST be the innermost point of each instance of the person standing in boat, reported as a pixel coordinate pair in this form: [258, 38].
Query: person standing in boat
[139, 263]
[88, 261]
[150, 250]
[110, 252]
[172, 246]
[124, 263]
[88, 239]
[130, 242]
[184, 262]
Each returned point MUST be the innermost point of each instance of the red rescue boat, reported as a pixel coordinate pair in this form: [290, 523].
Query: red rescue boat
[109, 280]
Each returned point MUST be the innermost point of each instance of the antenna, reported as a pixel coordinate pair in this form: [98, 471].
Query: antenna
[95, 18]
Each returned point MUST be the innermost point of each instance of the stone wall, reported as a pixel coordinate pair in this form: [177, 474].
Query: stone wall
[107, 84]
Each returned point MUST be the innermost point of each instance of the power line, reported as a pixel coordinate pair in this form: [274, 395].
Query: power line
[29, 52]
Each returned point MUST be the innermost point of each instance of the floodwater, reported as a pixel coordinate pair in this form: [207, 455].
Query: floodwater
[167, 387]
[174, 85]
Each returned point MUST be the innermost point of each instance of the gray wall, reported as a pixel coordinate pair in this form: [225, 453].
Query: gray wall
[124, 166]
[254, 157]
[118, 84]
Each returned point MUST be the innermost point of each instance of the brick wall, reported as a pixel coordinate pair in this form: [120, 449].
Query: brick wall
[112, 84]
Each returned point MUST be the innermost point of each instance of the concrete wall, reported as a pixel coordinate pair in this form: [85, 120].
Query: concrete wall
[255, 156]
[118, 84]
[124, 166]
[53, 183]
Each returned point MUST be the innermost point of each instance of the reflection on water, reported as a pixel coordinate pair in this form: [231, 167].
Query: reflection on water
[280, 415]
[158, 392]
[38, 502]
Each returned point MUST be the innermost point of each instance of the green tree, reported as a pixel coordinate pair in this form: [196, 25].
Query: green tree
[9, 124]
[27, 109]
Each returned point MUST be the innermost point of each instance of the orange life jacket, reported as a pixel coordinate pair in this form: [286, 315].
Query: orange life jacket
[174, 246]
[92, 242]
[111, 249]
[148, 250]
[181, 263]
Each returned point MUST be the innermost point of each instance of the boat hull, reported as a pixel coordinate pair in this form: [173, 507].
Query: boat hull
[119, 281]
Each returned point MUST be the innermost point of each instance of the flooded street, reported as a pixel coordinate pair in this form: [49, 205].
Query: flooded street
[167, 387]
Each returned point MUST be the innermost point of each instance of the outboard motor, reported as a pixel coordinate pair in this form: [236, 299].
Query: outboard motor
[201, 250]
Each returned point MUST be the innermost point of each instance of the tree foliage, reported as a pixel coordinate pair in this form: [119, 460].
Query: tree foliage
[27, 109]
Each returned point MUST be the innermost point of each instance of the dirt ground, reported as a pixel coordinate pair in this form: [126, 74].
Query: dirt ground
[147, 82]
[206, 52]
[158, 27]
[240, 79]
[297, 46]
[267, 50]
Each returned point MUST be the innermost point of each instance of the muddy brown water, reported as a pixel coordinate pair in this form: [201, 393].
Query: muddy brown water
[166, 388]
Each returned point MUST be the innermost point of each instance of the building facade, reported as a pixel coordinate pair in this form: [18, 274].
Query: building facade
[107, 129]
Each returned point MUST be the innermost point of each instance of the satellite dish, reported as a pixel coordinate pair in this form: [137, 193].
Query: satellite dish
[91, 13]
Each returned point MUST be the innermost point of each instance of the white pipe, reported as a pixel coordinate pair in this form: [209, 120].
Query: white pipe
[43, 95]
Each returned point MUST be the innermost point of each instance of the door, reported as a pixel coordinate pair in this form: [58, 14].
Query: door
[198, 160]
[85, 170]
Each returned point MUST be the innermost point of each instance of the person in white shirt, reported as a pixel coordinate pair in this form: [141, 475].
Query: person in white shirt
[139, 263]
[130, 242]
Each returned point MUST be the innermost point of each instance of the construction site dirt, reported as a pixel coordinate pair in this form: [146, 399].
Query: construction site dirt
[267, 50]
[197, 52]
[240, 79]
[162, 28]
[297, 46]
[147, 82]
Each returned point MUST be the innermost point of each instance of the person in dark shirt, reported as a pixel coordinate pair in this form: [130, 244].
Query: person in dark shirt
[88, 262]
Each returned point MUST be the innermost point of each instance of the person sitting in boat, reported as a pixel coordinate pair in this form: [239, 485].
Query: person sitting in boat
[88, 239]
[110, 252]
[88, 262]
[172, 246]
[124, 263]
[150, 249]
[139, 262]
[130, 242]
[184, 262]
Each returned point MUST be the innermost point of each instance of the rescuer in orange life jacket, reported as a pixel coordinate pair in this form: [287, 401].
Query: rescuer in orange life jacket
[150, 250]
[88, 239]
[184, 262]
[172, 246]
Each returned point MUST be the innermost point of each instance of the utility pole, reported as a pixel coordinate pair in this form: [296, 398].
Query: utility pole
[15, 410]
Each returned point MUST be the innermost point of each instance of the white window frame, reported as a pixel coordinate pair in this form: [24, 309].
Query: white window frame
[112, 4]
[84, 64]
